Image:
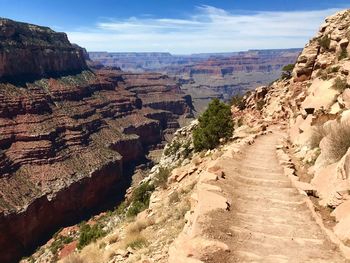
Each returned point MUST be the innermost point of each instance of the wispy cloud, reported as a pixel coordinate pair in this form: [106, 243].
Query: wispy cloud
[209, 29]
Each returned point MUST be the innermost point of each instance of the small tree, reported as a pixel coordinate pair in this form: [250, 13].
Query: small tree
[215, 123]
[287, 71]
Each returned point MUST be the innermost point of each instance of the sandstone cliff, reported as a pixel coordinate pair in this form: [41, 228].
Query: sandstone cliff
[67, 132]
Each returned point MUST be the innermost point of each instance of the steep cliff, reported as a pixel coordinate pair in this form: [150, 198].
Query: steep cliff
[67, 132]
[30, 52]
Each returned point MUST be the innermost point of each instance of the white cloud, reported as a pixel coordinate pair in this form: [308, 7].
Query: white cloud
[209, 29]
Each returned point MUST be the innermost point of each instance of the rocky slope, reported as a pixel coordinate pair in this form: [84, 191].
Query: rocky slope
[314, 107]
[66, 133]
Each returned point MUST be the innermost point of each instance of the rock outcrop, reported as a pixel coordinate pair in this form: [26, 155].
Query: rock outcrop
[67, 132]
[31, 52]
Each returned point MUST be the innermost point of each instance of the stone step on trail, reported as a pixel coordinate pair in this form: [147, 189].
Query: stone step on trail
[268, 220]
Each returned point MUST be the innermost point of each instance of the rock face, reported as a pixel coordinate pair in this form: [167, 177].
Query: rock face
[30, 51]
[64, 140]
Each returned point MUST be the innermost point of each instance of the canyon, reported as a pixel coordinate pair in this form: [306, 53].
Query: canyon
[68, 132]
[207, 76]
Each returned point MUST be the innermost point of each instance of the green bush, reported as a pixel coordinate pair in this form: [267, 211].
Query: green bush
[140, 199]
[325, 42]
[237, 101]
[287, 71]
[89, 234]
[340, 84]
[215, 123]
[59, 242]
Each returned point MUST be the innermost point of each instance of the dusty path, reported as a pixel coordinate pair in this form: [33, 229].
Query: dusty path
[268, 220]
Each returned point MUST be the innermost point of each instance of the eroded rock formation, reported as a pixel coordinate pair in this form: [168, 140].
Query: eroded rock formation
[64, 137]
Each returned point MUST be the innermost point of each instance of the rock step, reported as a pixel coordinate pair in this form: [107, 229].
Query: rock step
[281, 229]
[263, 181]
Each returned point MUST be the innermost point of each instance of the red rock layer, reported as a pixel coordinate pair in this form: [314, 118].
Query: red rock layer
[63, 142]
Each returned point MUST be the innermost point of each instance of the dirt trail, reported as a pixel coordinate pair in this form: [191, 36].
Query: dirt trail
[268, 220]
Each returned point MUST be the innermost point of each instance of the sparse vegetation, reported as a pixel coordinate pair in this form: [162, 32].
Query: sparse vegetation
[59, 242]
[343, 54]
[172, 148]
[287, 71]
[318, 133]
[137, 243]
[140, 199]
[333, 69]
[340, 84]
[161, 177]
[260, 104]
[237, 101]
[325, 42]
[322, 74]
[338, 141]
[215, 123]
[90, 234]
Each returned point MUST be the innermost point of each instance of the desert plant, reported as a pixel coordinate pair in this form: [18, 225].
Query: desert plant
[140, 199]
[215, 123]
[333, 69]
[340, 84]
[338, 142]
[137, 242]
[318, 133]
[260, 104]
[90, 234]
[161, 177]
[343, 54]
[325, 42]
[172, 148]
[287, 71]
[237, 101]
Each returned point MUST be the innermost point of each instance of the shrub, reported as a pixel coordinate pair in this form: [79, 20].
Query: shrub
[187, 152]
[287, 71]
[318, 133]
[172, 148]
[237, 101]
[338, 142]
[59, 242]
[340, 84]
[333, 69]
[161, 177]
[90, 234]
[343, 54]
[325, 42]
[260, 104]
[140, 199]
[215, 123]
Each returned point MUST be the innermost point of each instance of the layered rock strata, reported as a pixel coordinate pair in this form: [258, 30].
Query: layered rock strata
[64, 137]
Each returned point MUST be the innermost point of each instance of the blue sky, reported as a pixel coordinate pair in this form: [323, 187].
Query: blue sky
[178, 26]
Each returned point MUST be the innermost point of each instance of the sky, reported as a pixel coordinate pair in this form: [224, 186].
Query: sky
[178, 26]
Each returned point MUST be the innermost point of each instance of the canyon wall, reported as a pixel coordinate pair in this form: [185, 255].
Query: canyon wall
[208, 76]
[66, 132]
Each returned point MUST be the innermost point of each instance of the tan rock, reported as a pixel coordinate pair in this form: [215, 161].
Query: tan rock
[342, 211]
[321, 95]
